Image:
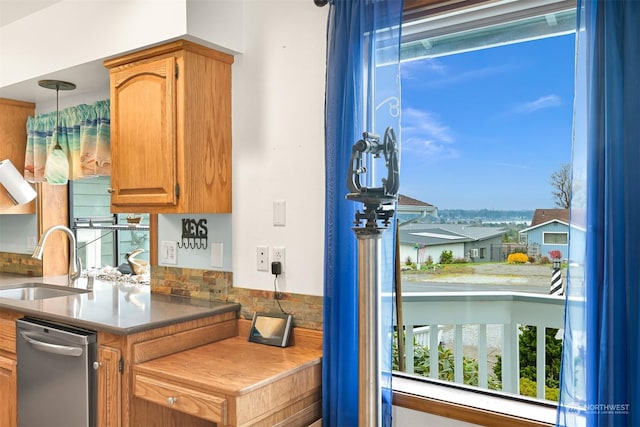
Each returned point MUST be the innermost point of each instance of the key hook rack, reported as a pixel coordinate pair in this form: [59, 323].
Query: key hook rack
[194, 234]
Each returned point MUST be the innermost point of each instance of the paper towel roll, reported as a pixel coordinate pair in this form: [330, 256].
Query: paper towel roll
[19, 190]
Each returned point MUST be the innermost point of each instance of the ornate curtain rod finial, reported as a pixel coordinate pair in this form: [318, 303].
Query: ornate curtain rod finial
[321, 3]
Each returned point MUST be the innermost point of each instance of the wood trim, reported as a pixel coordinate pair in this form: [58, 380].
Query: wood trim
[163, 49]
[170, 344]
[16, 103]
[53, 209]
[8, 331]
[460, 412]
[153, 239]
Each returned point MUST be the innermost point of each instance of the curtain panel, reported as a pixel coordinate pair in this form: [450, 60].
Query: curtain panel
[83, 134]
[600, 377]
[362, 94]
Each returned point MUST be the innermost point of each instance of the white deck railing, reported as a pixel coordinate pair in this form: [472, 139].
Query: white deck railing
[457, 310]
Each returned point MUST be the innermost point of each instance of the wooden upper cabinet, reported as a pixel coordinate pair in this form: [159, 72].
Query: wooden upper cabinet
[13, 143]
[171, 130]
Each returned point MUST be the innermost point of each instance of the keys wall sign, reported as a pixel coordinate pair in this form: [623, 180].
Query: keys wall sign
[194, 234]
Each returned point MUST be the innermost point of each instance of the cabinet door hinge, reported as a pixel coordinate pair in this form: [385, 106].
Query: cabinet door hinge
[177, 69]
[121, 365]
[177, 191]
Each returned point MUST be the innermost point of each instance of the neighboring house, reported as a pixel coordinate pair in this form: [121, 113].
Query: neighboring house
[421, 241]
[549, 230]
[411, 210]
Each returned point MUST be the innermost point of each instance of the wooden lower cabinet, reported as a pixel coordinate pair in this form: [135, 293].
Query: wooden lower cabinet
[232, 382]
[119, 354]
[109, 387]
[8, 369]
[9, 392]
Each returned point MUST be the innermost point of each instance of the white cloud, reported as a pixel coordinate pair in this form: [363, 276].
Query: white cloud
[423, 134]
[543, 102]
[415, 70]
[469, 75]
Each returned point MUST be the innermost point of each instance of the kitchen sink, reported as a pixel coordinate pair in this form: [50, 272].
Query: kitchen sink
[36, 291]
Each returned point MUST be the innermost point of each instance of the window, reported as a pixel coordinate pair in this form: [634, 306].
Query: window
[103, 238]
[556, 238]
[487, 96]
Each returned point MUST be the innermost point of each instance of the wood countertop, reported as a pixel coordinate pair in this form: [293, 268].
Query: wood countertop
[234, 382]
[232, 366]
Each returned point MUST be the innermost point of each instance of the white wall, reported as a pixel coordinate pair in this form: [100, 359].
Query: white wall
[278, 142]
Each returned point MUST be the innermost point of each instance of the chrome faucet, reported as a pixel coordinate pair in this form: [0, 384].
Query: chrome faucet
[75, 267]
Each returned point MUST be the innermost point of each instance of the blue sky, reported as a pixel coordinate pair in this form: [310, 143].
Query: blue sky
[486, 129]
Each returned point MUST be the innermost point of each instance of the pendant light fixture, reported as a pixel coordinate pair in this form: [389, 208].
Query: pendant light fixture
[56, 168]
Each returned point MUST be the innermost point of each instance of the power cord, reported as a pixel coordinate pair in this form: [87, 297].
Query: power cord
[276, 270]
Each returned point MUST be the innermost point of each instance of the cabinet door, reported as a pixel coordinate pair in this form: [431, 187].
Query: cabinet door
[143, 134]
[13, 141]
[9, 392]
[109, 387]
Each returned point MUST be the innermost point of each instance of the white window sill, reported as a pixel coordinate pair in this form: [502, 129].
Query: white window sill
[469, 404]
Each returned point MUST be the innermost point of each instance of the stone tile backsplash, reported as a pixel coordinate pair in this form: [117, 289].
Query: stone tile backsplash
[20, 264]
[217, 286]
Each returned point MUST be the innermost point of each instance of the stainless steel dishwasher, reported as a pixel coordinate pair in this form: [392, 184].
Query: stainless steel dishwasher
[56, 379]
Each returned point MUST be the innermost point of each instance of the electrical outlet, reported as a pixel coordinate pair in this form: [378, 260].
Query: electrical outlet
[262, 258]
[278, 255]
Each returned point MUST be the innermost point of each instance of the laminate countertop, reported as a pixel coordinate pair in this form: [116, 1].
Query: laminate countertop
[118, 308]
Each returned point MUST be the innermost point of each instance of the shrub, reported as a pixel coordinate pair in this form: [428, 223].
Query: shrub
[529, 388]
[532, 259]
[544, 260]
[517, 258]
[519, 250]
[446, 257]
[527, 350]
[460, 261]
[446, 365]
[408, 261]
[429, 260]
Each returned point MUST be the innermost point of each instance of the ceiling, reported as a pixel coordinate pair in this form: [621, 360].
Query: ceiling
[89, 78]
[12, 10]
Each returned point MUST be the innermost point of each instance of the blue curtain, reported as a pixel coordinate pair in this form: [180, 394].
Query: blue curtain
[361, 95]
[600, 376]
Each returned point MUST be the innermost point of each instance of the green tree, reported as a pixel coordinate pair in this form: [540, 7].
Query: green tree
[446, 257]
[528, 372]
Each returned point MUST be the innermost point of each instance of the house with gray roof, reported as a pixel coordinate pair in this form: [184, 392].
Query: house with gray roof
[421, 241]
[410, 210]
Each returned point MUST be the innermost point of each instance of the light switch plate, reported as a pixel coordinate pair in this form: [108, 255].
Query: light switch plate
[216, 255]
[279, 213]
[168, 252]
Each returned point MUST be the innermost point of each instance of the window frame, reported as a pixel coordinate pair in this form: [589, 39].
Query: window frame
[448, 399]
[557, 233]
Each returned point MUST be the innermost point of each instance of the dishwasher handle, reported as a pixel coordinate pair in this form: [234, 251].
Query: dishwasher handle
[62, 350]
